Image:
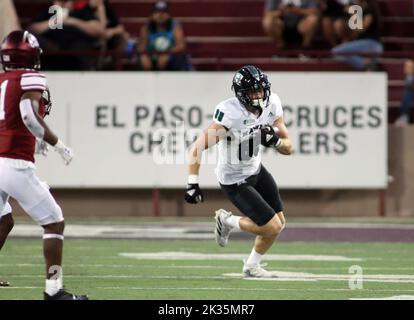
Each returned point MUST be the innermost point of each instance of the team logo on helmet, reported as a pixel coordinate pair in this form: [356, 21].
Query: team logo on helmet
[31, 39]
[238, 78]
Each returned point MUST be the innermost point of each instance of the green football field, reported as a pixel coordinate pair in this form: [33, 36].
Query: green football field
[199, 269]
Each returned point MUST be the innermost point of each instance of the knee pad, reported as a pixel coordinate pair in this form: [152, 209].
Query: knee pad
[46, 212]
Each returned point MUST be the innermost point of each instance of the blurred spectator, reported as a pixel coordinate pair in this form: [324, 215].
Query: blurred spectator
[8, 18]
[82, 31]
[365, 40]
[335, 21]
[289, 20]
[407, 96]
[162, 42]
[116, 35]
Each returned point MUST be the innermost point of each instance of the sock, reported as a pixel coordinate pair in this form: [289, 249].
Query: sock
[254, 258]
[54, 285]
[233, 221]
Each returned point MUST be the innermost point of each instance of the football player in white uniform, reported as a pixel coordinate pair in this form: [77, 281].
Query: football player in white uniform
[240, 125]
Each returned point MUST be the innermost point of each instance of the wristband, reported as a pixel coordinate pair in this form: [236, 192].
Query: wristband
[59, 145]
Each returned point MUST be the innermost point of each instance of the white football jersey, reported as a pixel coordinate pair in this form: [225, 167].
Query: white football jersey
[239, 153]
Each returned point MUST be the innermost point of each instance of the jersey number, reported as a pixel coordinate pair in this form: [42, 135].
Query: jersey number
[219, 115]
[249, 148]
[3, 88]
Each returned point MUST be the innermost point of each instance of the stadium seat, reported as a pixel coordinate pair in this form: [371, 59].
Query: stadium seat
[224, 34]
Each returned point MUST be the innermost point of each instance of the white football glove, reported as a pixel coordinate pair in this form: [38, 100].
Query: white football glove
[41, 147]
[65, 152]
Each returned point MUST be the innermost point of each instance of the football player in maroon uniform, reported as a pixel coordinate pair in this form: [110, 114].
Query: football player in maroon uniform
[23, 93]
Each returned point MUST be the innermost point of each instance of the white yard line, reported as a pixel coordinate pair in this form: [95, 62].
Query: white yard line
[231, 289]
[349, 225]
[181, 255]
[12, 287]
[175, 231]
[250, 289]
[302, 276]
[282, 276]
[151, 266]
[402, 297]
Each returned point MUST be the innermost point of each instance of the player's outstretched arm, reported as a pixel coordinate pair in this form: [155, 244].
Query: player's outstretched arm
[213, 134]
[29, 107]
[285, 147]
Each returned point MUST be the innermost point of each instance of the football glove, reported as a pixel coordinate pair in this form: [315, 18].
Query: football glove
[65, 152]
[193, 194]
[269, 137]
[41, 147]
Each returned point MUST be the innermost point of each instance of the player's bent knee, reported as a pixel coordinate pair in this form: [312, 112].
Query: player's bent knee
[276, 229]
[55, 228]
[272, 228]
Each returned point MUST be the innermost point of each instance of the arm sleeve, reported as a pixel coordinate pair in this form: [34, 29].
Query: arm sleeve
[30, 120]
[33, 82]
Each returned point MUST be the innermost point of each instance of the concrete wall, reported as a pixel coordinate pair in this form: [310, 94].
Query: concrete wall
[399, 198]
[400, 193]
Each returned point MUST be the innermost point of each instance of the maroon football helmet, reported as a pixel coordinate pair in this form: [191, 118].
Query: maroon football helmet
[20, 50]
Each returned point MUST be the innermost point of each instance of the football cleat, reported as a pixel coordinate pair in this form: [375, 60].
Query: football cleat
[4, 283]
[64, 295]
[222, 230]
[257, 271]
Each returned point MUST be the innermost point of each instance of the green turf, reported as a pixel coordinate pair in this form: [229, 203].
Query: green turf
[95, 267]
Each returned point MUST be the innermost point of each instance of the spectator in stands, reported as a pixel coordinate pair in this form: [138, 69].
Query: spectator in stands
[82, 31]
[407, 96]
[116, 36]
[289, 20]
[8, 18]
[162, 42]
[365, 40]
[335, 21]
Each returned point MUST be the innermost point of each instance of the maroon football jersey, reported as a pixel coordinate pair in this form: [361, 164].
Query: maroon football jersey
[16, 141]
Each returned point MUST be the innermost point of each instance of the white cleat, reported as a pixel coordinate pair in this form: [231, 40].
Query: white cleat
[222, 230]
[257, 271]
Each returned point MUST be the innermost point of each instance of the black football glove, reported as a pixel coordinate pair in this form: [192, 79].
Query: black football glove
[269, 138]
[193, 194]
